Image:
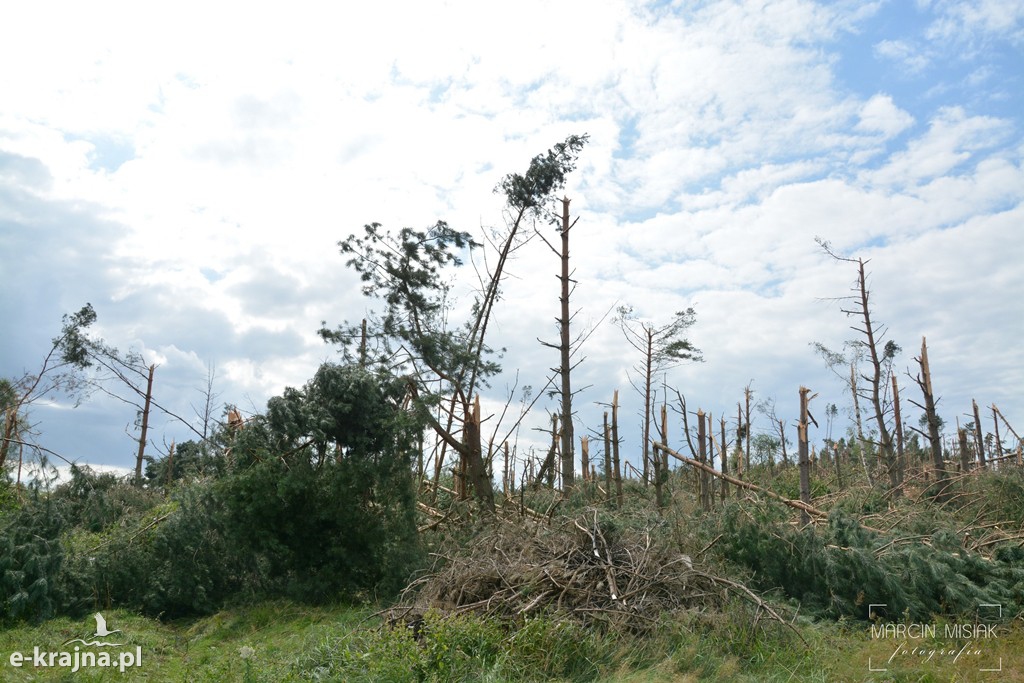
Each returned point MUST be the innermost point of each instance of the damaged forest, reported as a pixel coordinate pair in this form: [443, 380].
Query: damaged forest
[386, 522]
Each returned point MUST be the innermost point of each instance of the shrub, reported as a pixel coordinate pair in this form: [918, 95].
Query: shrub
[838, 570]
[30, 559]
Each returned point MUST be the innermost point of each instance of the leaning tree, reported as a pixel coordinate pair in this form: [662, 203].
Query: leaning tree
[444, 364]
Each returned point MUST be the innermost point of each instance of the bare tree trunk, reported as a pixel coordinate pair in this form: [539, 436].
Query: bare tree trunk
[740, 468]
[548, 467]
[169, 473]
[979, 439]
[10, 420]
[656, 462]
[836, 456]
[648, 370]
[725, 461]
[584, 457]
[712, 482]
[805, 469]
[362, 344]
[924, 380]
[782, 442]
[1020, 442]
[965, 462]
[506, 476]
[477, 469]
[999, 443]
[702, 478]
[901, 465]
[145, 426]
[746, 456]
[568, 460]
[615, 449]
[885, 438]
[861, 441]
[608, 474]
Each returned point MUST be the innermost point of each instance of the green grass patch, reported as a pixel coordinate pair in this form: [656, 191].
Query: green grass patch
[283, 642]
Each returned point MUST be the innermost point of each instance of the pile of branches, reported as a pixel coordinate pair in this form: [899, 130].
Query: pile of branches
[578, 568]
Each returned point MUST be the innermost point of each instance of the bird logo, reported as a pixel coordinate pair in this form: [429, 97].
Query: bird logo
[101, 632]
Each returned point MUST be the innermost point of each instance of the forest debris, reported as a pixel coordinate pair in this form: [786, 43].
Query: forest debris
[580, 568]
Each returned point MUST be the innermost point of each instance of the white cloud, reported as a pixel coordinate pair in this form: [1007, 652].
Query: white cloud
[973, 20]
[908, 56]
[952, 138]
[881, 115]
[201, 165]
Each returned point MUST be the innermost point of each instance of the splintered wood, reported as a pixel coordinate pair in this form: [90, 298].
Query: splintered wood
[585, 569]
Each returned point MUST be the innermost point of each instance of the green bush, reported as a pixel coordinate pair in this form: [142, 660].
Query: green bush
[838, 570]
[30, 559]
[316, 503]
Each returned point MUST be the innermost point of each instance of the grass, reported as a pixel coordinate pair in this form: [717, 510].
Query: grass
[282, 642]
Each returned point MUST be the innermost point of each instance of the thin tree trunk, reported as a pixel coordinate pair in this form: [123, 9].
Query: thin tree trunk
[924, 381]
[965, 462]
[169, 473]
[648, 370]
[608, 474]
[656, 462]
[979, 440]
[805, 469]
[782, 442]
[568, 461]
[740, 469]
[725, 462]
[615, 449]
[477, 468]
[901, 464]
[584, 457]
[999, 443]
[885, 438]
[746, 455]
[705, 500]
[547, 468]
[861, 442]
[145, 426]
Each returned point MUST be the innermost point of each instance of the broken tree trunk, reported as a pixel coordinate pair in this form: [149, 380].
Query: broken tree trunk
[805, 469]
[615, 449]
[979, 439]
[998, 442]
[702, 478]
[474, 457]
[1020, 441]
[861, 441]
[746, 454]
[608, 474]
[568, 462]
[585, 457]
[740, 468]
[797, 504]
[901, 464]
[548, 467]
[965, 458]
[145, 426]
[655, 460]
[924, 381]
[724, 456]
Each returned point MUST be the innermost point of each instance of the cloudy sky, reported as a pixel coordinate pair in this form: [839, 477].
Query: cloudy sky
[190, 170]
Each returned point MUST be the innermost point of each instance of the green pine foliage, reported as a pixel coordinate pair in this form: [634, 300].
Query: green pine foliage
[838, 570]
[30, 560]
[314, 502]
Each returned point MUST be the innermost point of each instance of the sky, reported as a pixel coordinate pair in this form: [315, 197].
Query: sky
[189, 169]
